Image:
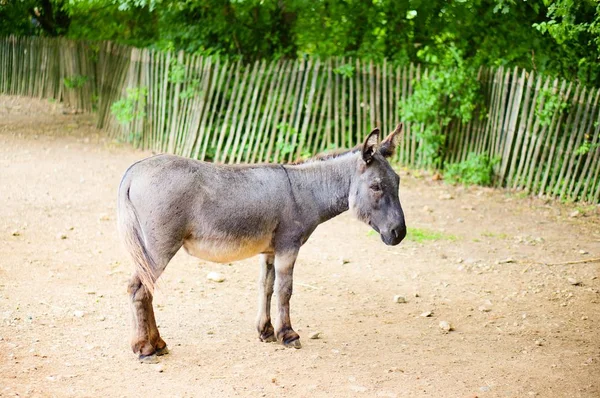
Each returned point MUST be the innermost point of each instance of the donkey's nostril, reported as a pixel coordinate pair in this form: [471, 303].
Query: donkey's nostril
[399, 233]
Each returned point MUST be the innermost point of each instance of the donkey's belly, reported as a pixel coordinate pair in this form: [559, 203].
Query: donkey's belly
[221, 251]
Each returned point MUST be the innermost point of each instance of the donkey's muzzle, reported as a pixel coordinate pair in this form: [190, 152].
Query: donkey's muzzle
[395, 235]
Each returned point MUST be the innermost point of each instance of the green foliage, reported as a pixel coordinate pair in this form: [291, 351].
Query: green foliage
[191, 90]
[450, 92]
[75, 81]
[547, 104]
[132, 106]
[556, 36]
[586, 146]
[476, 170]
[346, 70]
[176, 72]
[574, 27]
[284, 148]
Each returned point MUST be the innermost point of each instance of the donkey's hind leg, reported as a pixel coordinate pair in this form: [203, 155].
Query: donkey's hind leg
[146, 340]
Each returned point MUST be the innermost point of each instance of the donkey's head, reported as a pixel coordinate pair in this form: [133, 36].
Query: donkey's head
[374, 190]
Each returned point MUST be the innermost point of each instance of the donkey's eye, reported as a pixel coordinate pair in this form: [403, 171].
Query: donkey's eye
[376, 187]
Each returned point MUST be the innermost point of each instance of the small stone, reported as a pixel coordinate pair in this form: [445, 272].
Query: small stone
[417, 294]
[484, 308]
[399, 299]
[446, 196]
[574, 214]
[538, 343]
[426, 314]
[62, 236]
[574, 281]
[16, 233]
[427, 209]
[446, 326]
[159, 368]
[344, 261]
[582, 252]
[484, 389]
[505, 261]
[102, 318]
[78, 314]
[460, 260]
[314, 335]
[215, 277]
[584, 318]
[357, 388]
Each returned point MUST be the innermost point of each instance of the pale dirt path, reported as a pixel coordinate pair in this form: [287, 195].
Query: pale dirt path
[58, 175]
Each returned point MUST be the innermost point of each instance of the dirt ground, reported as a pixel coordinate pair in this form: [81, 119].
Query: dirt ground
[523, 324]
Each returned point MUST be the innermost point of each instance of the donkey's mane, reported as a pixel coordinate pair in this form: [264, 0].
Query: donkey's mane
[327, 155]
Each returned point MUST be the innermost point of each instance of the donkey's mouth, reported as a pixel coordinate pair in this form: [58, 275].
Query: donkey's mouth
[374, 227]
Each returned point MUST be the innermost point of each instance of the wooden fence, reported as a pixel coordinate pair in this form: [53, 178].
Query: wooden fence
[544, 131]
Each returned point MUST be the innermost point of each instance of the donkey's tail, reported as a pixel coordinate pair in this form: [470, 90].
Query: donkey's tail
[133, 237]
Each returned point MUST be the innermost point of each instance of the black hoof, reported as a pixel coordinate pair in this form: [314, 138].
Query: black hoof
[293, 344]
[162, 351]
[268, 337]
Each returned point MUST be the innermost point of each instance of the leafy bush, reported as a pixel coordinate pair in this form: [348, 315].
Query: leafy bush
[547, 104]
[450, 92]
[476, 170]
[75, 81]
[133, 105]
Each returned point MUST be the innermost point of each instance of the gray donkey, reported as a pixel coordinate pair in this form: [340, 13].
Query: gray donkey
[224, 213]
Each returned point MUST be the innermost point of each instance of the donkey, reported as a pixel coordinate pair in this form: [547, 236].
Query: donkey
[225, 213]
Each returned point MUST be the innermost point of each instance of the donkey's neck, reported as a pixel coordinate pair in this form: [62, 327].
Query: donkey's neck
[326, 181]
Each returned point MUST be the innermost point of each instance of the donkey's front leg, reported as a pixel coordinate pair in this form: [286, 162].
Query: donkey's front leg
[284, 269]
[266, 332]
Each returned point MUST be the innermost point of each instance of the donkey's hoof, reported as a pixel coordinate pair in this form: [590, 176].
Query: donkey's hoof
[289, 338]
[149, 359]
[267, 338]
[293, 344]
[162, 351]
[266, 333]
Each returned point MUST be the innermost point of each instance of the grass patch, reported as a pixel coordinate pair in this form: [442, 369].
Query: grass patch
[489, 234]
[420, 235]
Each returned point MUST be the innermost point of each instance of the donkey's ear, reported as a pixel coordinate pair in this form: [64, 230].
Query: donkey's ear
[388, 146]
[370, 146]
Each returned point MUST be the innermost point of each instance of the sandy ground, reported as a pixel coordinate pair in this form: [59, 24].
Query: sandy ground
[521, 327]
